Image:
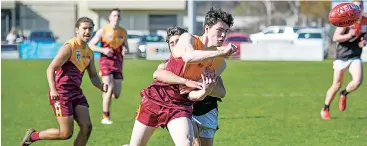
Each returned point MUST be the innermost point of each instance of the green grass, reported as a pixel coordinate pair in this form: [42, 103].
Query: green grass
[267, 104]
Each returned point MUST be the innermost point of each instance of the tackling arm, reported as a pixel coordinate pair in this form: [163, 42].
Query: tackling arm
[166, 76]
[184, 48]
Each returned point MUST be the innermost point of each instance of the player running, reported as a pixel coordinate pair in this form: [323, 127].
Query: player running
[114, 42]
[170, 106]
[64, 76]
[205, 113]
[350, 42]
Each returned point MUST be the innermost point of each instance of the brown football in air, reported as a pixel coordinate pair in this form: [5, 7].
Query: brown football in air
[344, 14]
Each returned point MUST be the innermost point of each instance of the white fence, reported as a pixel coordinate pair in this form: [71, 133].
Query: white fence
[281, 52]
[157, 51]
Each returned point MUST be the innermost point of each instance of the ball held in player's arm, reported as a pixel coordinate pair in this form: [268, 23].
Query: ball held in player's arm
[61, 57]
[184, 48]
[93, 44]
[92, 72]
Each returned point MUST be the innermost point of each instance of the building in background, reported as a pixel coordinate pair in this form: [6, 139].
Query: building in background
[59, 17]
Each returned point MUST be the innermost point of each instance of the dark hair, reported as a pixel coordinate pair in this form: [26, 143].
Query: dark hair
[216, 14]
[83, 19]
[172, 31]
[116, 9]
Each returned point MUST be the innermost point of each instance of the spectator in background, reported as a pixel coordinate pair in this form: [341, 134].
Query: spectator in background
[20, 36]
[11, 37]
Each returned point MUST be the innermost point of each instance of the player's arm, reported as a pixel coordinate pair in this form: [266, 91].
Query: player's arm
[339, 35]
[93, 42]
[126, 44]
[94, 76]
[165, 76]
[184, 48]
[61, 57]
[198, 95]
[208, 84]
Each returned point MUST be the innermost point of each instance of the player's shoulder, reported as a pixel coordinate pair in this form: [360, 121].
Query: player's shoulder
[71, 42]
[121, 30]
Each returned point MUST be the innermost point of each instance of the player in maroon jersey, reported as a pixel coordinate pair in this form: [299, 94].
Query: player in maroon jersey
[64, 76]
[114, 42]
[166, 105]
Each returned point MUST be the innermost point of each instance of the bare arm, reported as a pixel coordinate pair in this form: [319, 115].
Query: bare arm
[166, 76]
[184, 48]
[93, 75]
[62, 56]
[126, 45]
[93, 42]
[339, 35]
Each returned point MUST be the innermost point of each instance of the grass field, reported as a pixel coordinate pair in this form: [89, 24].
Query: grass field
[267, 104]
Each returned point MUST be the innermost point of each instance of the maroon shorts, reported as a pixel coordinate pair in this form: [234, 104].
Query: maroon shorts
[154, 115]
[66, 104]
[112, 66]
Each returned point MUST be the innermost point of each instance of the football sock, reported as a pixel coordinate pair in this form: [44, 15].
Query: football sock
[344, 92]
[326, 107]
[106, 115]
[35, 136]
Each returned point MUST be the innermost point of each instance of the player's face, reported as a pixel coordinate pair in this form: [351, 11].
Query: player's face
[217, 33]
[173, 41]
[114, 17]
[84, 31]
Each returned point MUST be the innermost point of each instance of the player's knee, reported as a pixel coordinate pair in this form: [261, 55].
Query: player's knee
[66, 135]
[186, 142]
[86, 128]
[357, 82]
[115, 95]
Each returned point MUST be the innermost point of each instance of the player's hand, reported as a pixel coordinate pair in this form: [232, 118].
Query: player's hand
[352, 32]
[54, 95]
[228, 49]
[209, 79]
[362, 43]
[193, 84]
[103, 87]
[107, 51]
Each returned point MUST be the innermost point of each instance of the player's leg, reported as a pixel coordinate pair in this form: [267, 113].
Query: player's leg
[106, 103]
[207, 141]
[356, 70]
[338, 77]
[82, 117]
[196, 134]
[145, 123]
[117, 85]
[181, 131]
[65, 119]
[208, 125]
[141, 134]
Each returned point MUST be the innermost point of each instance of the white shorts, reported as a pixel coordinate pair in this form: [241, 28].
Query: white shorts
[207, 123]
[343, 64]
